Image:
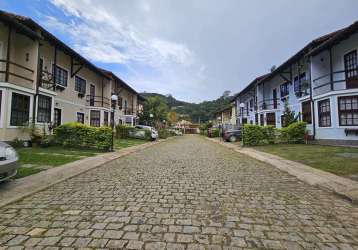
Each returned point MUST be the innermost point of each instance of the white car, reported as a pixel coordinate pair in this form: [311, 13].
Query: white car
[8, 162]
[153, 131]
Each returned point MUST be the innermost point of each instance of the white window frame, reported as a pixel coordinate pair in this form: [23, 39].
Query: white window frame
[2, 106]
[9, 106]
[52, 108]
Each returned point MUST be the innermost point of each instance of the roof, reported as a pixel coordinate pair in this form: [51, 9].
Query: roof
[335, 38]
[227, 107]
[114, 76]
[302, 52]
[251, 84]
[21, 28]
[30, 25]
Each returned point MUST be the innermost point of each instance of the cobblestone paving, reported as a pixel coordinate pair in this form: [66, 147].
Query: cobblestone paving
[186, 193]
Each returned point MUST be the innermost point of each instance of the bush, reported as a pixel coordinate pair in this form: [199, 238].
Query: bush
[269, 134]
[283, 135]
[75, 134]
[253, 135]
[296, 132]
[124, 131]
[215, 132]
[163, 133]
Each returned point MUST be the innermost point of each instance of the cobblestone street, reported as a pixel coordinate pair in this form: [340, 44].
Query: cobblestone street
[185, 193]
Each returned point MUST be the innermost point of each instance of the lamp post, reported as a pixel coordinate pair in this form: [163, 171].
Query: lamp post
[242, 106]
[151, 117]
[114, 99]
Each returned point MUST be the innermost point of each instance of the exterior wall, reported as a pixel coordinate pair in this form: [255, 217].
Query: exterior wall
[242, 112]
[321, 71]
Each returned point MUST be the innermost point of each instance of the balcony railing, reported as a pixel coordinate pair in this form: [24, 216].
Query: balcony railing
[128, 111]
[17, 71]
[98, 101]
[334, 80]
[303, 88]
[47, 80]
[269, 104]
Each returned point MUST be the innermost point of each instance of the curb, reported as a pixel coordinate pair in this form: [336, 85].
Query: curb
[341, 186]
[19, 189]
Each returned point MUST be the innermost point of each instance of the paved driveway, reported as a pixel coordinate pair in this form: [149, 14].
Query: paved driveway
[186, 193]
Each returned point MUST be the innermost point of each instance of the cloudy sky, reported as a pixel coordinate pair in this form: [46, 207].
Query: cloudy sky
[193, 49]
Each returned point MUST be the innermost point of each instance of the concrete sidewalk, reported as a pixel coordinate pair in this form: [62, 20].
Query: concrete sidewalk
[339, 185]
[20, 188]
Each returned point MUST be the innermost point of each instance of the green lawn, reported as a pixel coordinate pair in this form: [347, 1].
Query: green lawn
[341, 161]
[34, 160]
[125, 143]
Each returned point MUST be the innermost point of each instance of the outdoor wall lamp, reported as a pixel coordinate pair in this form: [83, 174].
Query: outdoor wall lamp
[242, 105]
[114, 99]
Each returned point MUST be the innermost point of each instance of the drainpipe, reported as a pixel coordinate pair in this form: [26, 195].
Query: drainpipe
[312, 101]
[38, 79]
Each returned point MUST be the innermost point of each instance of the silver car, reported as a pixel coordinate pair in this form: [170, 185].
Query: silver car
[8, 162]
[153, 131]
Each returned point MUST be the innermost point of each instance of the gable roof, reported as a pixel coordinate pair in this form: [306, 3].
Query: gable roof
[30, 25]
[335, 38]
[250, 85]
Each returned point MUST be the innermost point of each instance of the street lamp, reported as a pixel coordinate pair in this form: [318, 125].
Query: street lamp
[150, 120]
[242, 106]
[114, 99]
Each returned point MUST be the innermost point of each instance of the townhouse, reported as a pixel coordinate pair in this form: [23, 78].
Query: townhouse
[46, 83]
[226, 116]
[319, 83]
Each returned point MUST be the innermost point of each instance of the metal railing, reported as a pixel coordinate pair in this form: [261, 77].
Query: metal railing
[304, 88]
[331, 79]
[98, 101]
[269, 104]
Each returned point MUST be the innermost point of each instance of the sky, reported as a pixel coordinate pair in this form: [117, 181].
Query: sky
[192, 49]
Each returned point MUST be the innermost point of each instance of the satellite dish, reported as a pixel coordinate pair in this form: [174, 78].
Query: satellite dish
[273, 68]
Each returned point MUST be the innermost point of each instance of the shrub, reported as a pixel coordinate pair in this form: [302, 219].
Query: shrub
[17, 143]
[215, 132]
[163, 133]
[282, 135]
[252, 135]
[269, 134]
[124, 131]
[296, 132]
[75, 134]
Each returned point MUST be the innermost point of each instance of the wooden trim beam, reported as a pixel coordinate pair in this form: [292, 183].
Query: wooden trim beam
[54, 68]
[73, 64]
[331, 69]
[7, 74]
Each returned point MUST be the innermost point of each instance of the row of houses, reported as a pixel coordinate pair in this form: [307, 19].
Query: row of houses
[45, 82]
[319, 83]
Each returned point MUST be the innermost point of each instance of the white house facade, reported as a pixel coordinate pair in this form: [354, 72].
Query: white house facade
[319, 83]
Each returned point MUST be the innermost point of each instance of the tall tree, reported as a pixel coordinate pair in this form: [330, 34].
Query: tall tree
[154, 111]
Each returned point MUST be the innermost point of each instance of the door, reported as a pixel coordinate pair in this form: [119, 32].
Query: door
[57, 117]
[274, 98]
[92, 94]
[271, 119]
[256, 119]
[262, 122]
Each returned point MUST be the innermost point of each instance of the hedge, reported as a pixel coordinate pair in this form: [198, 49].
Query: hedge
[253, 135]
[75, 134]
[125, 132]
[215, 132]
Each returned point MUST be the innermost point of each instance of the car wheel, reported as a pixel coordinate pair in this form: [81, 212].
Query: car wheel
[232, 138]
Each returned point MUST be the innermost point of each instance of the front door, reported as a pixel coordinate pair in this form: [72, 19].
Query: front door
[262, 122]
[274, 98]
[57, 117]
[271, 119]
[92, 94]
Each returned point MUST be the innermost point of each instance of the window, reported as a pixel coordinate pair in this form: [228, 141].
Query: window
[120, 103]
[105, 119]
[348, 110]
[57, 117]
[61, 75]
[324, 113]
[306, 112]
[80, 85]
[44, 108]
[284, 89]
[298, 82]
[95, 118]
[80, 117]
[251, 104]
[351, 68]
[20, 109]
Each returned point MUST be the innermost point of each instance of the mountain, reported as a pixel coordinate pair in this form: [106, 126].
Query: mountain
[195, 112]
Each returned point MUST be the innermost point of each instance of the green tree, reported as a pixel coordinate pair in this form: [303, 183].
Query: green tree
[289, 116]
[154, 111]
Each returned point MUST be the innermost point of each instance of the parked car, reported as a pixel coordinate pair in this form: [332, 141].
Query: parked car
[232, 135]
[153, 131]
[8, 162]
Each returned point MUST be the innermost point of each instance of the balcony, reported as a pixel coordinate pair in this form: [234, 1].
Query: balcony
[302, 89]
[128, 111]
[46, 80]
[98, 101]
[269, 104]
[17, 73]
[337, 80]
